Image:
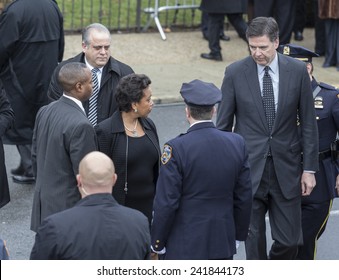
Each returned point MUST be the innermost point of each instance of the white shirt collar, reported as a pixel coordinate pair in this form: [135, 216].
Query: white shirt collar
[77, 101]
[273, 65]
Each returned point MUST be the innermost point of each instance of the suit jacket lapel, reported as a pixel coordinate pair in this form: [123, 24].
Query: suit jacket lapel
[251, 75]
[284, 77]
[71, 103]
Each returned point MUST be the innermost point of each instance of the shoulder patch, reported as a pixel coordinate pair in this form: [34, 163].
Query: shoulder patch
[166, 154]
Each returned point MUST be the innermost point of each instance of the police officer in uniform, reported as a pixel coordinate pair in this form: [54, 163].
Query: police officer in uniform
[204, 192]
[316, 207]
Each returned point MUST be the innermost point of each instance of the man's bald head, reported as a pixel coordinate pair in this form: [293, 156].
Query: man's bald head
[96, 174]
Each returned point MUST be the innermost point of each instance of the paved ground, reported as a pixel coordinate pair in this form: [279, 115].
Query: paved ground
[174, 61]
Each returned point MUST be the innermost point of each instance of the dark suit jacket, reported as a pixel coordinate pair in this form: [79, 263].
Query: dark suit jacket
[204, 195]
[96, 228]
[242, 100]
[113, 71]
[62, 137]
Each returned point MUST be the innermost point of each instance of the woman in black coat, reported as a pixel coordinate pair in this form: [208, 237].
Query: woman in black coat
[130, 139]
[6, 120]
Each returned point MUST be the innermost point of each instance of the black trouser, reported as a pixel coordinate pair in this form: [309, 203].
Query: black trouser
[284, 13]
[214, 22]
[204, 25]
[284, 218]
[314, 220]
[25, 157]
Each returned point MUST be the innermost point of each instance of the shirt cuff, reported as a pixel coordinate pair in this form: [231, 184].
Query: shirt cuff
[163, 251]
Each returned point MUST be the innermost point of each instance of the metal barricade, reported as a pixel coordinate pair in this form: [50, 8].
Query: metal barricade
[170, 5]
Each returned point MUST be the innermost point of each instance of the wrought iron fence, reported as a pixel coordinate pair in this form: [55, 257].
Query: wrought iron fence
[120, 15]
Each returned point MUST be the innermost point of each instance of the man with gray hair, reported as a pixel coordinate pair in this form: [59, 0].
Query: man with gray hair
[106, 73]
[62, 137]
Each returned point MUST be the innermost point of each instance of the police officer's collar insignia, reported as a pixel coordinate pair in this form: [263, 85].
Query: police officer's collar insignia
[166, 154]
[318, 102]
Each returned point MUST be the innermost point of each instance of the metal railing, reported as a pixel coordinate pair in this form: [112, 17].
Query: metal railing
[169, 5]
[123, 15]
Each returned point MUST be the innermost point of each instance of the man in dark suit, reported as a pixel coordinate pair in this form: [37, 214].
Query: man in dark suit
[316, 207]
[97, 227]
[96, 43]
[217, 10]
[272, 137]
[203, 200]
[62, 137]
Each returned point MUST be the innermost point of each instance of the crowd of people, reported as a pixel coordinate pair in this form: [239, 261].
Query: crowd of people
[88, 144]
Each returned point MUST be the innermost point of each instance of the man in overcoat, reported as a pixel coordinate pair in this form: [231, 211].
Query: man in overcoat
[96, 53]
[31, 45]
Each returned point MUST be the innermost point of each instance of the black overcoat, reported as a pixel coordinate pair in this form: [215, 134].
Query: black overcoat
[31, 45]
[224, 6]
[6, 120]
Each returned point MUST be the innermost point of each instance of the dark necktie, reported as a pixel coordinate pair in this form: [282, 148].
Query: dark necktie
[93, 100]
[268, 98]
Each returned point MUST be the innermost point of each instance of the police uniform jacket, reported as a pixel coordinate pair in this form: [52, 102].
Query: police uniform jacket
[203, 198]
[96, 228]
[326, 104]
[113, 71]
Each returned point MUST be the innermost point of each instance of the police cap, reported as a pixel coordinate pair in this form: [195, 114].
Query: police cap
[297, 52]
[199, 93]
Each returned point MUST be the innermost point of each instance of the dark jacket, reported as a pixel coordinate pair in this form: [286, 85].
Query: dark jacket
[6, 120]
[224, 6]
[327, 115]
[204, 195]
[112, 140]
[113, 71]
[31, 45]
[62, 137]
[96, 228]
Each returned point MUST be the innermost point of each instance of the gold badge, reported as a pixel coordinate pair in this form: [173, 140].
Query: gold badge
[318, 102]
[166, 154]
[286, 50]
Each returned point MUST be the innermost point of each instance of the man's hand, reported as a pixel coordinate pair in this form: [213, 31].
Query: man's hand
[154, 257]
[307, 183]
[337, 185]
